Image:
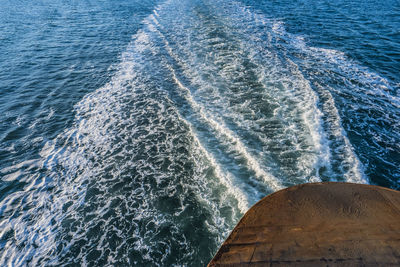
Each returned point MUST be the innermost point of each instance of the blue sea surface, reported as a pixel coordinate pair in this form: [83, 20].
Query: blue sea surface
[139, 132]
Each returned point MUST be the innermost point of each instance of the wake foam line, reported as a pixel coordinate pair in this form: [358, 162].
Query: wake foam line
[219, 126]
[279, 32]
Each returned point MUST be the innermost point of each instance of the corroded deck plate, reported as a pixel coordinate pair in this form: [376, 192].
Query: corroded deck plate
[320, 224]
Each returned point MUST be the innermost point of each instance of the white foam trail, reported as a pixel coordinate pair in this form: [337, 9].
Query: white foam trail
[217, 124]
[355, 173]
[220, 128]
[366, 89]
[121, 127]
[312, 112]
[312, 117]
[226, 179]
[378, 86]
[72, 160]
[308, 100]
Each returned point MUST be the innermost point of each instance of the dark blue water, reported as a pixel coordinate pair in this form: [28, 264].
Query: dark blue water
[139, 132]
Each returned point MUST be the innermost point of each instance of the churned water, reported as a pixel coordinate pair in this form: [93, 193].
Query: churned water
[139, 132]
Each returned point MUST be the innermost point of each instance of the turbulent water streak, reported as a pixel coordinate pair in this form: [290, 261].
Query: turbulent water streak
[212, 106]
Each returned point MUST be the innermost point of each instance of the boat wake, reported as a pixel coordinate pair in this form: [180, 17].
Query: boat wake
[213, 106]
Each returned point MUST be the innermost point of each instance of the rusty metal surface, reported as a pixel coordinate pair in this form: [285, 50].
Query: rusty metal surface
[321, 224]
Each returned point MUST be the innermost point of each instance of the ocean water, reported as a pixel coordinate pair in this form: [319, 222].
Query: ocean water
[139, 132]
